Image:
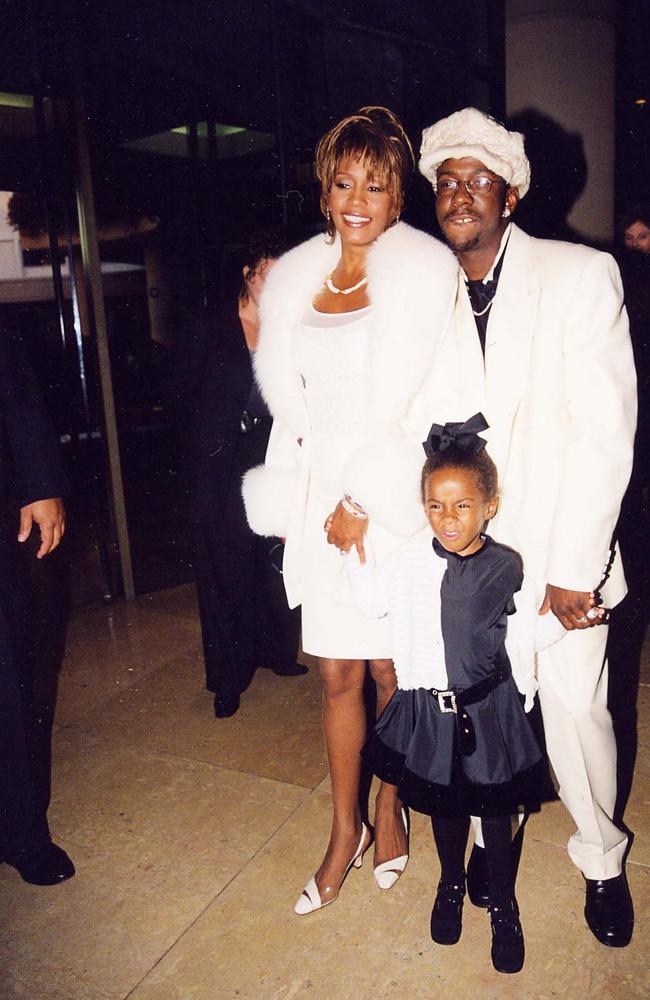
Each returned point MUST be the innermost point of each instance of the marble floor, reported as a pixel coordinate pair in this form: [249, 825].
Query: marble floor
[193, 836]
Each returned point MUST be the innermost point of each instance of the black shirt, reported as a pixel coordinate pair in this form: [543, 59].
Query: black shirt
[481, 296]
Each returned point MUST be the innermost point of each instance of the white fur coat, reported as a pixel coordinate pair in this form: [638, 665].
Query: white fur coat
[411, 285]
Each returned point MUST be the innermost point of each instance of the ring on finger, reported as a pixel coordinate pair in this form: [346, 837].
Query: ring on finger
[583, 620]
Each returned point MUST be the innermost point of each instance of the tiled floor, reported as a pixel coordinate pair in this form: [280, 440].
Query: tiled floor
[192, 837]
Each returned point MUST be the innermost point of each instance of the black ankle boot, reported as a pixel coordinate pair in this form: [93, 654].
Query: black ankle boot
[477, 872]
[507, 938]
[447, 912]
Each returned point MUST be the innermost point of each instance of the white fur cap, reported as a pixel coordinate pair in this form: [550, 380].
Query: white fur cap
[470, 132]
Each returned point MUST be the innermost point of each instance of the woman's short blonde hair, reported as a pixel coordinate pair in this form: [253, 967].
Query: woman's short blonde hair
[375, 136]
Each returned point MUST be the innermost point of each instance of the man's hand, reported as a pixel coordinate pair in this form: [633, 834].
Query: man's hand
[49, 515]
[344, 531]
[571, 607]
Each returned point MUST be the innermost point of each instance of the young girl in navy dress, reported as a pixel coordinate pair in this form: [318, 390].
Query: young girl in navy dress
[455, 738]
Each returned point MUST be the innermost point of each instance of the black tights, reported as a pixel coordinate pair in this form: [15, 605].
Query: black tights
[450, 834]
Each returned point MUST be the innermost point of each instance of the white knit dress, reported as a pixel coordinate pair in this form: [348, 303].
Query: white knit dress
[331, 359]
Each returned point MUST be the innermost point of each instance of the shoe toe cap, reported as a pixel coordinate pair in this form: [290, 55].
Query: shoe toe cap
[609, 912]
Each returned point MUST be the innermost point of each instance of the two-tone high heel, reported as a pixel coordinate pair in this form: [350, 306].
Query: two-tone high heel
[387, 873]
[310, 898]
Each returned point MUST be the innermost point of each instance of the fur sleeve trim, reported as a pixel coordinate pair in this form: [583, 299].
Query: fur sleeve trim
[269, 494]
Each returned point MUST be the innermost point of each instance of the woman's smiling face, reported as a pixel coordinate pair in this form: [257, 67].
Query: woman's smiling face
[361, 205]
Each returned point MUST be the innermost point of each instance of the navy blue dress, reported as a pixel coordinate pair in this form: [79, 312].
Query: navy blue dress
[416, 746]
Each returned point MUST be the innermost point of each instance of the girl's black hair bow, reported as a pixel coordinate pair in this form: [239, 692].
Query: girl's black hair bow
[463, 436]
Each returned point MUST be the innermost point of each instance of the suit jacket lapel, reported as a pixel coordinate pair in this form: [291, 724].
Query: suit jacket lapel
[509, 340]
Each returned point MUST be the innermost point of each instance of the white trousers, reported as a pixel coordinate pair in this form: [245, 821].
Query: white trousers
[572, 677]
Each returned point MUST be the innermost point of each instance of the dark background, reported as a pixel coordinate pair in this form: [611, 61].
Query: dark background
[283, 70]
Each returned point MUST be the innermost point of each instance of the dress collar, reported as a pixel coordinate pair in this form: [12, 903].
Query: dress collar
[442, 551]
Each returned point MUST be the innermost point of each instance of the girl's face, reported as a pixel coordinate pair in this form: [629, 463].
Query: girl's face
[362, 207]
[457, 509]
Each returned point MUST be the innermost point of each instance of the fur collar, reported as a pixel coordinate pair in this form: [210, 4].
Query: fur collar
[411, 285]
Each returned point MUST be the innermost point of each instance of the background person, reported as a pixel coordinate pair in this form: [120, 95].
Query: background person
[31, 485]
[225, 425]
[635, 270]
[636, 230]
[351, 325]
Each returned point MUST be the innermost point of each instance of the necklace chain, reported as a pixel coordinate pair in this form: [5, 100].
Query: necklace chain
[483, 311]
[344, 291]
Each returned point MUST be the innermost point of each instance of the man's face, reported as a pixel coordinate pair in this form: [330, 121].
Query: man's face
[472, 221]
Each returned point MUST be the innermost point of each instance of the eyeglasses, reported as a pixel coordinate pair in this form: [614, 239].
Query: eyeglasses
[473, 185]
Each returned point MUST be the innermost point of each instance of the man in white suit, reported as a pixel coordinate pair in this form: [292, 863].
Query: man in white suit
[544, 352]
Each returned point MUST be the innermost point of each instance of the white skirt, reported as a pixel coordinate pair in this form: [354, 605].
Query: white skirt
[332, 627]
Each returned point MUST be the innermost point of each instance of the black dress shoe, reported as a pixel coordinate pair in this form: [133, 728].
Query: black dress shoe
[508, 950]
[47, 865]
[447, 913]
[608, 910]
[290, 670]
[226, 705]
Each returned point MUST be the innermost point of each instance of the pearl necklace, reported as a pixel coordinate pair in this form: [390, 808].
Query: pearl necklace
[344, 291]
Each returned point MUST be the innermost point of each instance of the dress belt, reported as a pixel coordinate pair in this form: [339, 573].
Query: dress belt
[455, 701]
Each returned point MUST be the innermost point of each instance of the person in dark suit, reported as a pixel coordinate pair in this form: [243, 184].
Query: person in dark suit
[635, 271]
[245, 620]
[31, 486]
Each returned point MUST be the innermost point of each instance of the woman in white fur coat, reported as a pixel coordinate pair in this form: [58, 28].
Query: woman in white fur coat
[351, 327]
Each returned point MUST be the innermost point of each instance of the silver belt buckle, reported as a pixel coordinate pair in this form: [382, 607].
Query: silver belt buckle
[447, 701]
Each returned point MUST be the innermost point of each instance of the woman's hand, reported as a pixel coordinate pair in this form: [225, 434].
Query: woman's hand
[344, 530]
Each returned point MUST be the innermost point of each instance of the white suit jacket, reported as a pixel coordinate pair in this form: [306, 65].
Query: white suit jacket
[558, 389]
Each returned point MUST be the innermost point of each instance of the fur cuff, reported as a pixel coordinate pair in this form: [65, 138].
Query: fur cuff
[269, 493]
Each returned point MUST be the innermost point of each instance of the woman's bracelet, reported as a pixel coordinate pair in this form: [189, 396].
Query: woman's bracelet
[353, 508]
